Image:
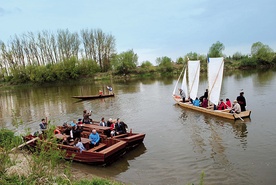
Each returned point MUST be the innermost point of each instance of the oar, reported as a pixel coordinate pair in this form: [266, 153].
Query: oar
[239, 116]
[25, 143]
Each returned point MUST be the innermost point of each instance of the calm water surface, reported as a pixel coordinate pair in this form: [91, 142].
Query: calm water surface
[180, 144]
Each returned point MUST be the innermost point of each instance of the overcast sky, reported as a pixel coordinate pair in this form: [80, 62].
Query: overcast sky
[152, 28]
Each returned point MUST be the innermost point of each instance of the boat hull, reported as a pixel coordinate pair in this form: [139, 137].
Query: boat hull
[93, 96]
[218, 113]
[112, 149]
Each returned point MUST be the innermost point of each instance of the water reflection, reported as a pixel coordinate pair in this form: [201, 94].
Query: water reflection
[116, 168]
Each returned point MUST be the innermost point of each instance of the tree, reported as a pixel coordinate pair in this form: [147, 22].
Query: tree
[180, 60]
[146, 64]
[216, 50]
[237, 56]
[98, 47]
[192, 56]
[164, 64]
[262, 53]
[125, 62]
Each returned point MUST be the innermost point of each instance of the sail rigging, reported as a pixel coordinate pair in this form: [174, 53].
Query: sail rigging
[190, 88]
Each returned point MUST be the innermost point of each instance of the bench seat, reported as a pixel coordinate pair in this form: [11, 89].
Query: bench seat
[100, 146]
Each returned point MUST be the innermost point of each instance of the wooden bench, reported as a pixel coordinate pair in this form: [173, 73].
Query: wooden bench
[121, 135]
[131, 137]
[111, 148]
[95, 148]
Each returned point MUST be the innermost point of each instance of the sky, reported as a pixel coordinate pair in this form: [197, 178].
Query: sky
[152, 28]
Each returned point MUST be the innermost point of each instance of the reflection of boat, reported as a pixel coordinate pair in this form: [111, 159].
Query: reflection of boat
[117, 167]
[106, 152]
[215, 74]
[89, 97]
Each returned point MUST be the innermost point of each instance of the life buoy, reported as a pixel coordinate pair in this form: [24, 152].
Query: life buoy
[57, 131]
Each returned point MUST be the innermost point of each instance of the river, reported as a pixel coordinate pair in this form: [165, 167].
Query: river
[180, 144]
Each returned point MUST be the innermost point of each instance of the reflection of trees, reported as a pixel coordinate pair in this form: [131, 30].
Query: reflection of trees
[240, 130]
[263, 77]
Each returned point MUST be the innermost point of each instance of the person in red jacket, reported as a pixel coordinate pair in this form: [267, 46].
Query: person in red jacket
[221, 105]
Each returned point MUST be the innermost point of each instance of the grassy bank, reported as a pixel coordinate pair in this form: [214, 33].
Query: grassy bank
[42, 166]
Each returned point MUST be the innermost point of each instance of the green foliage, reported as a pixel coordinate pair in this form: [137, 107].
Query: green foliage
[8, 140]
[146, 64]
[192, 56]
[262, 53]
[88, 67]
[45, 166]
[146, 67]
[164, 64]
[180, 60]
[248, 62]
[125, 62]
[216, 50]
[96, 181]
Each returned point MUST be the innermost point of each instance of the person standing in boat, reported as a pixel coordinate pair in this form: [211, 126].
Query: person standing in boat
[94, 138]
[86, 119]
[43, 124]
[109, 90]
[182, 95]
[241, 100]
[204, 96]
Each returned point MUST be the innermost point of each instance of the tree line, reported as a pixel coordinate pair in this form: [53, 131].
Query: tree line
[47, 57]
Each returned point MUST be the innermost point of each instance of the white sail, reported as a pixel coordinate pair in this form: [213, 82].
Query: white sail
[215, 74]
[177, 82]
[193, 78]
[184, 83]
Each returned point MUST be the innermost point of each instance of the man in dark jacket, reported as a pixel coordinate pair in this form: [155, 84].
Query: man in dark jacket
[241, 100]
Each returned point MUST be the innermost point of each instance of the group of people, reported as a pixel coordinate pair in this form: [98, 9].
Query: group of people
[238, 105]
[117, 127]
[72, 132]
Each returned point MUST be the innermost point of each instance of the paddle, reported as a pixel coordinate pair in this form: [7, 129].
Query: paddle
[238, 116]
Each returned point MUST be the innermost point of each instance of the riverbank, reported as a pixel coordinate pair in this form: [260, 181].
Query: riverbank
[43, 166]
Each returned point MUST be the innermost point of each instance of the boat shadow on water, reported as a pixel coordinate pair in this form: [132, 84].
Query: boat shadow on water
[118, 167]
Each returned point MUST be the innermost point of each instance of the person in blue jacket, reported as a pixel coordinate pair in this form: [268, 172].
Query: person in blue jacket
[94, 138]
[196, 102]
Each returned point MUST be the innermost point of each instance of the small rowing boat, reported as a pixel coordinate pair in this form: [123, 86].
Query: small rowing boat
[90, 97]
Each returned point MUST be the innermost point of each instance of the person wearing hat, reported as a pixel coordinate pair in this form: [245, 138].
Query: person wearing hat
[221, 105]
[236, 107]
[241, 100]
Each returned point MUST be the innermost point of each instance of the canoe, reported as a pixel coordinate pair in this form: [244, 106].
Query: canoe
[89, 97]
[105, 153]
[218, 113]
[132, 139]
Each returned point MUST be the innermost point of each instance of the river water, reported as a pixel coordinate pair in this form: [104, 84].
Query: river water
[180, 144]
